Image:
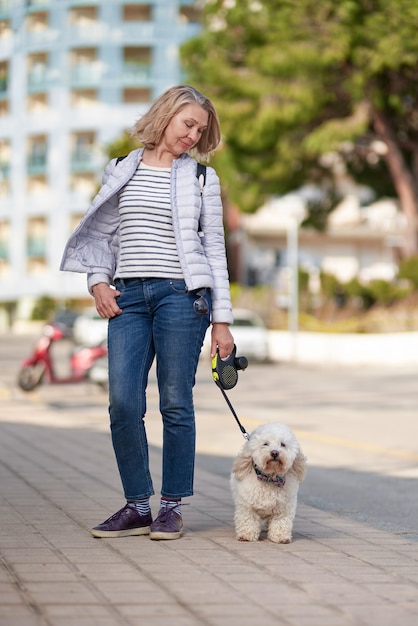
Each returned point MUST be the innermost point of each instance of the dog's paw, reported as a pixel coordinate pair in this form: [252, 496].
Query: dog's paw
[275, 539]
[244, 537]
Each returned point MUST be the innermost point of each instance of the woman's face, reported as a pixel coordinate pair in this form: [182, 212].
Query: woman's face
[185, 129]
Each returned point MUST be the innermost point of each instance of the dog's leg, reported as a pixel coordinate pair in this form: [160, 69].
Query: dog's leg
[247, 524]
[279, 529]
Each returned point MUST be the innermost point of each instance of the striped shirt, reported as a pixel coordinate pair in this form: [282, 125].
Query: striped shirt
[147, 244]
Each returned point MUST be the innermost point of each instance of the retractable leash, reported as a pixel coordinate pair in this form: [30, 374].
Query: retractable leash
[225, 375]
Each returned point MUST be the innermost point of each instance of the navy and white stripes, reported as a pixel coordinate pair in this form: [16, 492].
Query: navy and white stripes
[147, 243]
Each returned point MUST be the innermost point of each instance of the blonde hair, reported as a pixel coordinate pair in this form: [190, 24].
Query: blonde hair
[150, 128]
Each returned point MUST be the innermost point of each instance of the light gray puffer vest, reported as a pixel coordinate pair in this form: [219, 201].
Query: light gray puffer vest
[94, 245]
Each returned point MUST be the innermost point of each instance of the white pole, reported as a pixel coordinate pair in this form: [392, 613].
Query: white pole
[293, 311]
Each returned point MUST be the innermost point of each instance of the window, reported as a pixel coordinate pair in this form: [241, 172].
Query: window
[4, 76]
[37, 151]
[37, 65]
[36, 238]
[137, 64]
[137, 55]
[85, 70]
[83, 16]
[37, 154]
[5, 154]
[135, 95]
[37, 184]
[83, 98]
[5, 29]
[5, 237]
[36, 266]
[190, 14]
[37, 22]
[83, 56]
[136, 13]
[37, 102]
[84, 185]
[83, 146]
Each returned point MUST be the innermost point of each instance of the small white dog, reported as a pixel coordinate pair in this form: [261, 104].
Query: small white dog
[265, 482]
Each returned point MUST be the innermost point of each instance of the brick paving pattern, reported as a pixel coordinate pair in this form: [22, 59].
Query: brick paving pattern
[58, 478]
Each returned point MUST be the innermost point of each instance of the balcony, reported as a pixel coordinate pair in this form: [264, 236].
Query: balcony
[86, 75]
[5, 8]
[84, 163]
[182, 31]
[36, 247]
[4, 86]
[4, 170]
[136, 74]
[4, 250]
[87, 34]
[36, 166]
[36, 5]
[34, 39]
[38, 81]
[137, 31]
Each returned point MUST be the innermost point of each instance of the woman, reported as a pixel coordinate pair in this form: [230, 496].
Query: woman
[152, 245]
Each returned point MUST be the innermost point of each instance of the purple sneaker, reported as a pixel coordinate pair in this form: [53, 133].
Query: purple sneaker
[167, 525]
[124, 523]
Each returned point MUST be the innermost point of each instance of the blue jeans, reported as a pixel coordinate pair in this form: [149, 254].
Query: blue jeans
[158, 320]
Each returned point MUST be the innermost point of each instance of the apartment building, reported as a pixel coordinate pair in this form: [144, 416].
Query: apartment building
[73, 76]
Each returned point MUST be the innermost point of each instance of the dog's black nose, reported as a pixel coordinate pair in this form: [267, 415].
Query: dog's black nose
[274, 454]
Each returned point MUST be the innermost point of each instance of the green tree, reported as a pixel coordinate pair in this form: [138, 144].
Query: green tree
[294, 81]
[121, 146]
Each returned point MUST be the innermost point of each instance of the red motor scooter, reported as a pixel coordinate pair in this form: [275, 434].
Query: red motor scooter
[85, 362]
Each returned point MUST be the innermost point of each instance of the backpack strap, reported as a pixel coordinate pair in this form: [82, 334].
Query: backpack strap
[201, 176]
[200, 172]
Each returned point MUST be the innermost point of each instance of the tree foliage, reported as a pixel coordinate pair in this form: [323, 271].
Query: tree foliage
[121, 145]
[293, 81]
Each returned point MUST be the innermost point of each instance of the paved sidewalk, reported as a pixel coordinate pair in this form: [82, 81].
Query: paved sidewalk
[58, 478]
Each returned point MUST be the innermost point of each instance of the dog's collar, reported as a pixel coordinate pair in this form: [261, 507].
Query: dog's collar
[277, 480]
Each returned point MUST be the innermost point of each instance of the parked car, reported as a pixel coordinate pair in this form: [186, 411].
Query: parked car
[250, 334]
[66, 319]
[89, 328]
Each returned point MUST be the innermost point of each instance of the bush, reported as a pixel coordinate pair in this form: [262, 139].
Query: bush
[355, 289]
[303, 279]
[330, 285]
[44, 308]
[385, 292]
[408, 269]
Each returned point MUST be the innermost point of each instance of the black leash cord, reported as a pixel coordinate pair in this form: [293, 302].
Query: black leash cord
[241, 427]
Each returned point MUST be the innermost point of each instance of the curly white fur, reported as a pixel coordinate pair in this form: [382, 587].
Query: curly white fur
[275, 451]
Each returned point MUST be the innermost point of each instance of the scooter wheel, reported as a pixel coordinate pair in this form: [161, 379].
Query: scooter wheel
[30, 376]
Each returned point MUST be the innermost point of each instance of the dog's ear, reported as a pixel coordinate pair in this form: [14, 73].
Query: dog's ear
[243, 465]
[299, 466]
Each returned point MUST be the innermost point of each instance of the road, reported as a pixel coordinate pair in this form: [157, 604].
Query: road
[357, 426]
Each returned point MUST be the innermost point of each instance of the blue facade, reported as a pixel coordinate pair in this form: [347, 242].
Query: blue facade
[73, 76]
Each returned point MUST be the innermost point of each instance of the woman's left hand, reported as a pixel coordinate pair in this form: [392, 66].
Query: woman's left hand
[221, 338]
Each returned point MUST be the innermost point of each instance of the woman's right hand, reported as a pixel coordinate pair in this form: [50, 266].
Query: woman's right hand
[105, 300]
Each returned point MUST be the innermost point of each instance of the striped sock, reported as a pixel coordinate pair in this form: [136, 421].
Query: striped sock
[175, 505]
[141, 506]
